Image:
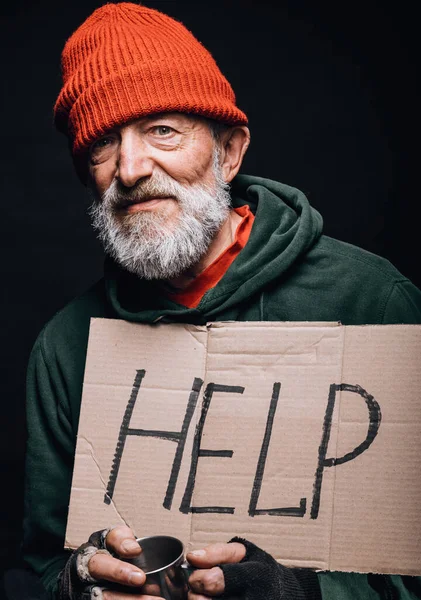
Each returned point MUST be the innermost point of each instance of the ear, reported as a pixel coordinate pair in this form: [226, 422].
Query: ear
[234, 144]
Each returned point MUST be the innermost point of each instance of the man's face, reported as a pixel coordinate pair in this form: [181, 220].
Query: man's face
[159, 194]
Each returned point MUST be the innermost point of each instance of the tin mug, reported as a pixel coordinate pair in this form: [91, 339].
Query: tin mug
[162, 561]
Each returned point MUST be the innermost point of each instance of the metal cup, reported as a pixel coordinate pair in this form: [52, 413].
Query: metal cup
[162, 560]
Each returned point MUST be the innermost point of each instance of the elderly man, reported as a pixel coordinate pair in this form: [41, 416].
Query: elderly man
[156, 135]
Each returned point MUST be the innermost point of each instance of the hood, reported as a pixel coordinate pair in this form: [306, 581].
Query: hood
[284, 229]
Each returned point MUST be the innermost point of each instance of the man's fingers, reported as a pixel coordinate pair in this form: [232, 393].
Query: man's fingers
[122, 541]
[105, 567]
[217, 554]
[207, 581]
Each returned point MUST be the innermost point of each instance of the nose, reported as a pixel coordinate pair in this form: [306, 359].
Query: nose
[134, 162]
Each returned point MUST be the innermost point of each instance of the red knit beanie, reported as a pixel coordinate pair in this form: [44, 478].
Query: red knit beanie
[127, 61]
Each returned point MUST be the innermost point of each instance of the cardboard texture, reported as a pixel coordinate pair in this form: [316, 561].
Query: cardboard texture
[303, 437]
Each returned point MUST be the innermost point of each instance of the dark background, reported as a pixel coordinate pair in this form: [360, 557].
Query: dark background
[331, 93]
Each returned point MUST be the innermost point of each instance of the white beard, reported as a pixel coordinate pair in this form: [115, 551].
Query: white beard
[149, 244]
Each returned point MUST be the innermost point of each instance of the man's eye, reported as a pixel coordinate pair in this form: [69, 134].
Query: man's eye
[102, 148]
[101, 144]
[163, 130]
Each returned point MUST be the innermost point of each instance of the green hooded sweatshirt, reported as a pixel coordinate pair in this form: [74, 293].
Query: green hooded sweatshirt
[288, 271]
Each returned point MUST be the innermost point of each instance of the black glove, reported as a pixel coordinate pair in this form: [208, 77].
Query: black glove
[259, 577]
[75, 583]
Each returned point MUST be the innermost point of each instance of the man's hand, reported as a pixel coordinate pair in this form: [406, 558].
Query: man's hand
[247, 572]
[95, 570]
[122, 542]
[208, 579]
[104, 567]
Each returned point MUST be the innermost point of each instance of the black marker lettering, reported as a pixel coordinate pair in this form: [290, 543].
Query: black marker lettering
[122, 436]
[293, 511]
[191, 406]
[185, 506]
[375, 417]
[174, 436]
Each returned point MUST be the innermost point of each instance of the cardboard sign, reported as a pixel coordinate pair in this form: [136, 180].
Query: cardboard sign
[303, 437]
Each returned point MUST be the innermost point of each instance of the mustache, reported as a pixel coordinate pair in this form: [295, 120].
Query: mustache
[159, 186]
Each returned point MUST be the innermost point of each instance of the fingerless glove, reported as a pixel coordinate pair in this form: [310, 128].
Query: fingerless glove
[75, 582]
[259, 577]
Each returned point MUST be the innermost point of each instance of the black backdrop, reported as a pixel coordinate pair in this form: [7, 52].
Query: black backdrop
[330, 89]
